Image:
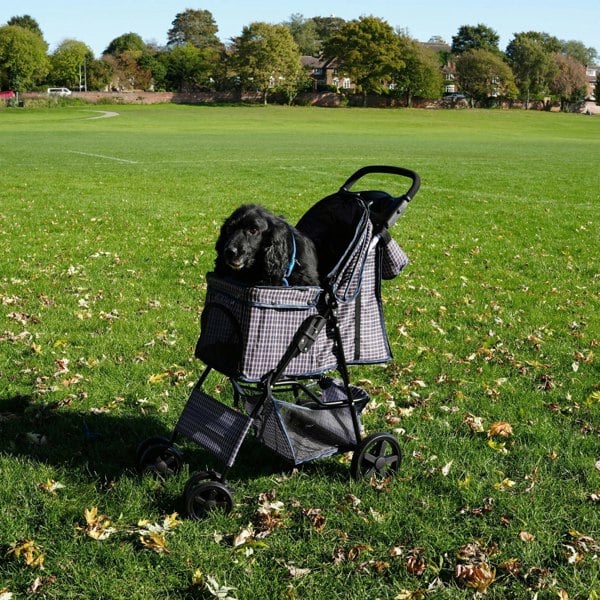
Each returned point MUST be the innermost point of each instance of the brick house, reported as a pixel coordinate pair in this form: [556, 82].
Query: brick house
[325, 74]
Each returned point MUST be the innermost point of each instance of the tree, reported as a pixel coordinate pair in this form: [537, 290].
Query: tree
[195, 27]
[68, 63]
[368, 49]
[570, 81]
[187, 68]
[578, 50]
[124, 43]
[471, 37]
[304, 32]
[26, 22]
[420, 75]
[483, 75]
[23, 59]
[326, 27]
[264, 56]
[531, 63]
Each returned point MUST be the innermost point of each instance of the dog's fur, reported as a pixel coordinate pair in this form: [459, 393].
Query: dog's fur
[255, 248]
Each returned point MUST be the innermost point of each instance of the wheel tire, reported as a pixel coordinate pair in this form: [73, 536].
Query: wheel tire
[161, 459]
[151, 441]
[206, 497]
[196, 478]
[378, 455]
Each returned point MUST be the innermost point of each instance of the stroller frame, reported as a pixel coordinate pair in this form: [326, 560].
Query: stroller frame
[299, 412]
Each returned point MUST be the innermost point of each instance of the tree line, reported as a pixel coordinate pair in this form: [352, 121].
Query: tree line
[377, 58]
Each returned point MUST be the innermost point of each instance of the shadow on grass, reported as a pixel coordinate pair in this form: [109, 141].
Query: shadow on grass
[104, 445]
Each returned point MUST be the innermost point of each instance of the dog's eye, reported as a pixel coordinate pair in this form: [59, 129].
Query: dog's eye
[252, 230]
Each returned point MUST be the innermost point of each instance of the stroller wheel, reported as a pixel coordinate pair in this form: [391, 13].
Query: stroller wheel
[377, 455]
[196, 478]
[151, 441]
[207, 496]
[162, 459]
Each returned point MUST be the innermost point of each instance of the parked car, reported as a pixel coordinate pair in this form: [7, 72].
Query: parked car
[59, 91]
[7, 95]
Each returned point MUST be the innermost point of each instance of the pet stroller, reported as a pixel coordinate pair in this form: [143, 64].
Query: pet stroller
[277, 346]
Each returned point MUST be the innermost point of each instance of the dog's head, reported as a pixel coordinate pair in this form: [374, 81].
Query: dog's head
[244, 235]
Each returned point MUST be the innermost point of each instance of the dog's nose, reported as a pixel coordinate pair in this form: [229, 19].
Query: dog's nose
[231, 252]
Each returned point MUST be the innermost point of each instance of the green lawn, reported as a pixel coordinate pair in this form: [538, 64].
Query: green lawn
[107, 228]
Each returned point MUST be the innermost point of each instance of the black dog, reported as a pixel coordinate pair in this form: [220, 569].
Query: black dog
[255, 247]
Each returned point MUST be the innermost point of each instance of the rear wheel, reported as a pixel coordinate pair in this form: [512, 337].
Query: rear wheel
[378, 455]
[162, 459]
[207, 496]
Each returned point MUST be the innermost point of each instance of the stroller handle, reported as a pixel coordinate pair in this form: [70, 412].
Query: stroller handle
[398, 204]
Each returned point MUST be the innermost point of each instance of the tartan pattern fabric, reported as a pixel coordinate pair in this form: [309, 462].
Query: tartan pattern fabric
[393, 259]
[246, 331]
[214, 426]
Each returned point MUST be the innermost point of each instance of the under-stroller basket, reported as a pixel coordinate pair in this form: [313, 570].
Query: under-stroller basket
[304, 432]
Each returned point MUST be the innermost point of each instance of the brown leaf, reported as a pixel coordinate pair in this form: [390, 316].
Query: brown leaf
[526, 537]
[478, 576]
[415, 563]
[500, 428]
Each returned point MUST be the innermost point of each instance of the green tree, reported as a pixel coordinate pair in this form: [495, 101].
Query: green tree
[187, 69]
[531, 63]
[569, 82]
[125, 43]
[473, 37]
[27, 22]
[265, 56]
[69, 62]
[368, 49]
[484, 76]
[420, 75]
[305, 35]
[326, 27]
[578, 50]
[195, 27]
[23, 59]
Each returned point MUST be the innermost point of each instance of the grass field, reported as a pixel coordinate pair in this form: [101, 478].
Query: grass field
[107, 228]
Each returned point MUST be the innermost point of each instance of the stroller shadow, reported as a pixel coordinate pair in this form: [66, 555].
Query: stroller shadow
[103, 445]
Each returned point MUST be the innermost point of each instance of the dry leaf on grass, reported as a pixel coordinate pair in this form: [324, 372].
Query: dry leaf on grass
[97, 526]
[29, 552]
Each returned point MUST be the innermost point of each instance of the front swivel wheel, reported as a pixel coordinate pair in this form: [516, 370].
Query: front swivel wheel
[378, 455]
[207, 496]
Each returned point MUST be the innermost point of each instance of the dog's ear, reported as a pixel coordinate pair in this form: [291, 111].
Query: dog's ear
[276, 250]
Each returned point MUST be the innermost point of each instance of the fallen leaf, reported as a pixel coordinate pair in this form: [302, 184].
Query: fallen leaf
[505, 484]
[51, 486]
[526, 537]
[500, 428]
[29, 552]
[446, 468]
[477, 576]
[218, 591]
[296, 571]
[97, 525]
[154, 541]
[474, 423]
[244, 536]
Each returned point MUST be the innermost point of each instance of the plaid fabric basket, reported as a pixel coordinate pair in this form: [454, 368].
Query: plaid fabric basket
[245, 331]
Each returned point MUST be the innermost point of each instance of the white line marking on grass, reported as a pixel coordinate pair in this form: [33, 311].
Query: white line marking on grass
[104, 114]
[124, 160]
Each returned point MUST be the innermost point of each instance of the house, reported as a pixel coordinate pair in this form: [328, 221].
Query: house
[592, 76]
[325, 73]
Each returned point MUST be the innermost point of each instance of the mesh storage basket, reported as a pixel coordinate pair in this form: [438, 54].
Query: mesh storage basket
[300, 433]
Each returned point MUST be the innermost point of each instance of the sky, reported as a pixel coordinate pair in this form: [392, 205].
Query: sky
[98, 22]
